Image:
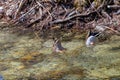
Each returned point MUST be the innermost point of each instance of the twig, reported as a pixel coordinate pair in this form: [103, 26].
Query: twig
[79, 15]
[26, 13]
[117, 13]
[44, 8]
[106, 15]
[113, 30]
[19, 8]
[94, 7]
[36, 20]
[114, 6]
[69, 18]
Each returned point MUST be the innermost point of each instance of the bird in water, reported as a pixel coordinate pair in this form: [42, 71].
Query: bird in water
[57, 46]
[91, 38]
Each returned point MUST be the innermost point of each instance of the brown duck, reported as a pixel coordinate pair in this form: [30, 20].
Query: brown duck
[57, 46]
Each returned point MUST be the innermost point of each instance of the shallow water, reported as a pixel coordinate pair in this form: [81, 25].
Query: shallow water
[23, 57]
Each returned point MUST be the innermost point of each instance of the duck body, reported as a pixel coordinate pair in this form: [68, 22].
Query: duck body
[91, 40]
[57, 46]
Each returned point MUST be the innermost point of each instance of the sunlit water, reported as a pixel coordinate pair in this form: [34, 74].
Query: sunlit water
[23, 57]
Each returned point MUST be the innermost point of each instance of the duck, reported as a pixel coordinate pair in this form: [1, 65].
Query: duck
[57, 46]
[91, 38]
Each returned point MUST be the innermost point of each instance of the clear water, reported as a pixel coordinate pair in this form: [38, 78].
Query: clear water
[23, 57]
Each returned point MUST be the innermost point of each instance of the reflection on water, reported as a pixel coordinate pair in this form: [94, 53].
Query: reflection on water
[28, 58]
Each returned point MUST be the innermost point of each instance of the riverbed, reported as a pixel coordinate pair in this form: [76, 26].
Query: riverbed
[24, 57]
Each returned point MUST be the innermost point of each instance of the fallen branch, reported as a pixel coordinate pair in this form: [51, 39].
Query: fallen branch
[72, 17]
[36, 20]
[99, 9]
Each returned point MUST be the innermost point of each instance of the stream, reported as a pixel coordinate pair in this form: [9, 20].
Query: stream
[24, 57]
